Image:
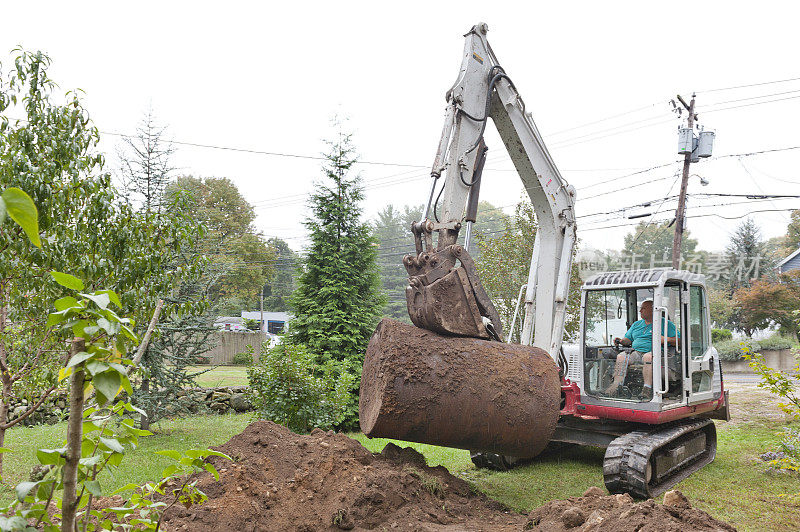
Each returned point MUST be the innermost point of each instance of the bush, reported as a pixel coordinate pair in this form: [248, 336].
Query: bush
[243, 359]
[775, 342]
[291, 389]
[720, 335]
[733, 350]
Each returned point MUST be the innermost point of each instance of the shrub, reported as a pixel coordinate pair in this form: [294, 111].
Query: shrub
[720, 335]
[291, 389]
[775, 342]
[733, 350]
[243, 359]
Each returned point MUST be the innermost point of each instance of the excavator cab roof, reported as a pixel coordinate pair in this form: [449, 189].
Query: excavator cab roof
[640, 278]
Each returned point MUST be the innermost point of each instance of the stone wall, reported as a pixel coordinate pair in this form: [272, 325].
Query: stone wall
[780, 359]
[221, 400]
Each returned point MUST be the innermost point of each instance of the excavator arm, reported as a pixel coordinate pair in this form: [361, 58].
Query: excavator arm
[444, 293]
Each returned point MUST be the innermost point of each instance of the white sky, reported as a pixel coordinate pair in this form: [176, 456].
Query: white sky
[267, 76]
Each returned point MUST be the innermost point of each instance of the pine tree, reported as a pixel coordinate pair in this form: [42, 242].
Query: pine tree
[338, 299]
[145, 164]
[183, 336]
[746, 255]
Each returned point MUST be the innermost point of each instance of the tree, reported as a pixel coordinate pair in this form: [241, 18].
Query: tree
[51, 155]
[392, 230]
[651, 243]
[747, 258]
[338, 299]
[145, 165]
[793, 231]
[278, 289]
[182, 338]
[764, 303]
[240, 260]
[504, 265]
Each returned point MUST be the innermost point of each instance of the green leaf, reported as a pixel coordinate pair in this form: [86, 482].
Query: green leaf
[5, 450]
[2, 210]
[23, 488]
[107, 383]
[126, 487]
[93, 486]
[170, 453]
[49, 456]
[65, 303]
[21, 209]
[54, 319]
[95, 367]
[211, 469]
[169, 471]
[111, 296]
[78, 358]
[67, 281]
[100, 299]
[92, 460]
[112, 444]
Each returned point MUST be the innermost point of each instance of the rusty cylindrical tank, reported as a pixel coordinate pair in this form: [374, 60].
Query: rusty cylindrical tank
[458, 392]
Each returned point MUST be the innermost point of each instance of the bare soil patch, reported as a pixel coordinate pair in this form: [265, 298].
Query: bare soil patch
[279, 480]
[596, 511]
[325, 481]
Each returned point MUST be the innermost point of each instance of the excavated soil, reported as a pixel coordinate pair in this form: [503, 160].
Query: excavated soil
[598, 512]
[280, 481]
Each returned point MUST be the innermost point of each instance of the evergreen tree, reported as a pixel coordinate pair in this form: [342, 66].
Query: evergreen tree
[145, 164]
[183, 336]
[793, 232]
[746, 255]
[338, 299]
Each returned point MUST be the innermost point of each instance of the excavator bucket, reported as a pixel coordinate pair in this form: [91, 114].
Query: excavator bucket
[446, 306]
[449, 299]
[458, 392]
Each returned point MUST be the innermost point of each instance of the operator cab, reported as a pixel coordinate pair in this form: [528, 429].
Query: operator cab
[681, 374]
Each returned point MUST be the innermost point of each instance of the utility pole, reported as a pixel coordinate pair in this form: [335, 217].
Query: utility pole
[680, 213]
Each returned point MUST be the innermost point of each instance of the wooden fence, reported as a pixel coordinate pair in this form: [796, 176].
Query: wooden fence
[229, 343]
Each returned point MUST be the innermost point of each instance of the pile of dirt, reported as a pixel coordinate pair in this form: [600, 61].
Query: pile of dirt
[597, 512]
[279, 480]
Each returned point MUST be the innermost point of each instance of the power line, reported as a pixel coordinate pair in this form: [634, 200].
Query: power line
[748, 86]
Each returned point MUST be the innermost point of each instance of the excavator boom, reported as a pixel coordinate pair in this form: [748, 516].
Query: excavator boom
[444, 293]
[422, 384]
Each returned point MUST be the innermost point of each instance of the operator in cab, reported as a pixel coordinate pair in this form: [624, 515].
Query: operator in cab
[640, 337]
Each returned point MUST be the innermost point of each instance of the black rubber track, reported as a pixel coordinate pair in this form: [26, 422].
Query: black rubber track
[627, 458]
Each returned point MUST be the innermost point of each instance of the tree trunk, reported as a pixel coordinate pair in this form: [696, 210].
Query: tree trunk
[144, 421]
[4, 402]
[74, 437]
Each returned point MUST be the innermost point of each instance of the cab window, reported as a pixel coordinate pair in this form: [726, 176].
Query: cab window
[698, 328]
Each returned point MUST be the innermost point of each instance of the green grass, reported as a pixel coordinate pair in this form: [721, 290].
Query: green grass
[221, 376]
[139, 466]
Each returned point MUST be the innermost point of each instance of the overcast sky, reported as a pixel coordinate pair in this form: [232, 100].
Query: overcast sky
[269, 76]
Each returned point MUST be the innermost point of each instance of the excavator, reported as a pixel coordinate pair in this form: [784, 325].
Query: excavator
[452, 380]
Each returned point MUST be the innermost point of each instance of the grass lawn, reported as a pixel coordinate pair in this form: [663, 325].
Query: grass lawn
[221, 376]
[735, 487]
[139, 466]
